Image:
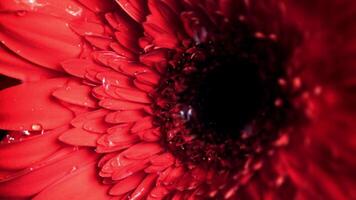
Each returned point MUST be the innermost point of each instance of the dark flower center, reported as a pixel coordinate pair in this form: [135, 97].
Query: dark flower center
[220, 99]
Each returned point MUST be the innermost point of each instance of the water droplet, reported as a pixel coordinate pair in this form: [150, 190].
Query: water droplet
[273, 37]
[318, 90]
[74, 11]
[110, 143]
[282, 140]
[187, 113]
[74, 168]
[26, 132]
[278, 102]
[21, 13]
[297, 82]
[279, 181]
[36, 127]
[257, 165]
[260, 35]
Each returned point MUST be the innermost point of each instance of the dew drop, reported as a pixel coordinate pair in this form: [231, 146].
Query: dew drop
[278, 102]
[36, 127]
[74, 168]
[21, 13]
[297, 82]
[74, 11]
[26, 132]
[259, 35]
[279, 181]
[110, 143]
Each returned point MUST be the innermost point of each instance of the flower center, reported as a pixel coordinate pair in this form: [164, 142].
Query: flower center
[220, 99]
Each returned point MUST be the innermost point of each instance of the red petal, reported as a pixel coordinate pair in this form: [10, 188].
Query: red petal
[142, 150]
[79, 67]
[122, 172]
[98, 5]
[79, 137]
[128, 184]
[109, 78]
[158, 192]
[102, 43]
[16, 67]
[76, 93]
[31, 103]
[142, 124]
[80, 184]
[133, 94]
[149, 78]
[150, 135]
[135, 8]
[97, 125]
[23, 153]
[114, 104]
[144, 188]
[33, 180]
[42, 39]
[142, 86]
[66, 9]
[123, 51]
[84, 118]
[87, 28]
[124, 116]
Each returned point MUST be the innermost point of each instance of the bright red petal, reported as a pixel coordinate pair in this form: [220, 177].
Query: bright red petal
[27, 104]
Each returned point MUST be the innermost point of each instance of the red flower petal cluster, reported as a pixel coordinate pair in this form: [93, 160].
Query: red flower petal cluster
[79, 123]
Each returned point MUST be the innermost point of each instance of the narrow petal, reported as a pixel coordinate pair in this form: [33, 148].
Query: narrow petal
[128, 184]
[97, 5]
[114, 104]
[31, 103]
[76, 93]
[144, 188]
[142, 150]
[124, 116]
[79, 137]
[133, 95]
[135, 8]
[79, 67]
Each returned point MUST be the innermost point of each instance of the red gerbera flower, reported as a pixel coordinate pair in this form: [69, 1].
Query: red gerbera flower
[164, 99]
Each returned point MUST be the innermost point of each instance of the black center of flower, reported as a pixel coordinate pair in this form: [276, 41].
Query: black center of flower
[229, 95]
[220, 99]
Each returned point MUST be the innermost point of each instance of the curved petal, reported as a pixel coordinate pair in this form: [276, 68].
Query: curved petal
[66, 9]
[67, 188]
[18, 68]
[76, 93]
[97, 5]
[31, 103]
[40, 177]
[42, 39]
[21, 154]
[79, 137]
